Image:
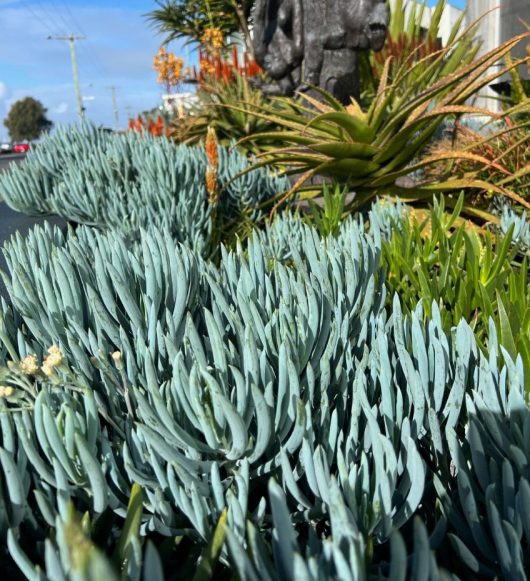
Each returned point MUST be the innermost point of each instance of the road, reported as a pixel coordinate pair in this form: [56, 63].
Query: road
[11, 221]
[6, 159]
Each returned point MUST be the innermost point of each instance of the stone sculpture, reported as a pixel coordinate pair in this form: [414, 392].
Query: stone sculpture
[317, 42]
[278, 43]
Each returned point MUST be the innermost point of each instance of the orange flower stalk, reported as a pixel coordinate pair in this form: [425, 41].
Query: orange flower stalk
[212, 39]
[155, 127]
[211, 146]
[212, 155]
[211, 186]
[214, 65]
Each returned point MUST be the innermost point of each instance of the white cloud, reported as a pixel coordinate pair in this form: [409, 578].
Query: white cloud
[61, 109]
[4, 91]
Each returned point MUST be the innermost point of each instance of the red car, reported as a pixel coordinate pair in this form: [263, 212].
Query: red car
[21, 148]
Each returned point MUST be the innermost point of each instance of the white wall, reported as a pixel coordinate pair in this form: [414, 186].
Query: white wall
[178, 103]
[489, 31]
[449, 18]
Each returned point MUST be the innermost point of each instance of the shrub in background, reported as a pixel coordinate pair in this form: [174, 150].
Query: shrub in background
[217, 98]
[505, 144]
[198, 21]
[129, 182]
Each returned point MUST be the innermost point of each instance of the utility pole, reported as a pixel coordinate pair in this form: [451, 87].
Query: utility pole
[71, 40]
[115, 107]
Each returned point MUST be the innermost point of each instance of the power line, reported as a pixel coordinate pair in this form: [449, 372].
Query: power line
[27, 6]
[56, 17]
[86, 49]
[73, 25]
[72, 18]
[44, 9]
[61, 17]
[94, 62]
[55, 13]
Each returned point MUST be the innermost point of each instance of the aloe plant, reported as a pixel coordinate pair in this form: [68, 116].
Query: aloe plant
[504, 143]
[214, 109]
[409, 43]
[368, 151]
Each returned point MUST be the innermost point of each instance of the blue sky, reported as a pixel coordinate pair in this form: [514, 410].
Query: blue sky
[118, 51]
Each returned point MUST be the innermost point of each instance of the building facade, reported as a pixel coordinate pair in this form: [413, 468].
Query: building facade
[503, 21]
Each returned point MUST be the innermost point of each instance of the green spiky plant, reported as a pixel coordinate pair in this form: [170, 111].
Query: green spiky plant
[409, 43]
[439, 258]
[216, 97]
[328, 217]
[369, 151]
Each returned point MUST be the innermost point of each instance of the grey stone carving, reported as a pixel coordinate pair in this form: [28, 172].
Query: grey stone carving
[278, 43]
[316, 42]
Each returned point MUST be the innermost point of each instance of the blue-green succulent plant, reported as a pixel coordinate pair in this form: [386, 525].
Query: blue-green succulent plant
[270, 406]
[134, 181]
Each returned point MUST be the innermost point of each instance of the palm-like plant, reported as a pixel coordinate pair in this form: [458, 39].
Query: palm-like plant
[369, 150]
[190, 19]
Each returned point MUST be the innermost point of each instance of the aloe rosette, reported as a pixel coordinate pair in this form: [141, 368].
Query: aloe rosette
[369, 151]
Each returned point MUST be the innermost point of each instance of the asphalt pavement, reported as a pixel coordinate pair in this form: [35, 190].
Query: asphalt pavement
[8, 158]
[11, 221]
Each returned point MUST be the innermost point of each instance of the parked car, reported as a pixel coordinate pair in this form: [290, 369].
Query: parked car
[21, 147]
[6, 147]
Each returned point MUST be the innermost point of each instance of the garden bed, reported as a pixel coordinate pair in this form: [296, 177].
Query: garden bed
[343, 398]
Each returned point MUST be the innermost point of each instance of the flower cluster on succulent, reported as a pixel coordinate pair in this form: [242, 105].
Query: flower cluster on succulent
[169, 68]
[212, 39]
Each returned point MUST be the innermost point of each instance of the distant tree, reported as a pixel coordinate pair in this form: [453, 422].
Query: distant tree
[27, 120]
